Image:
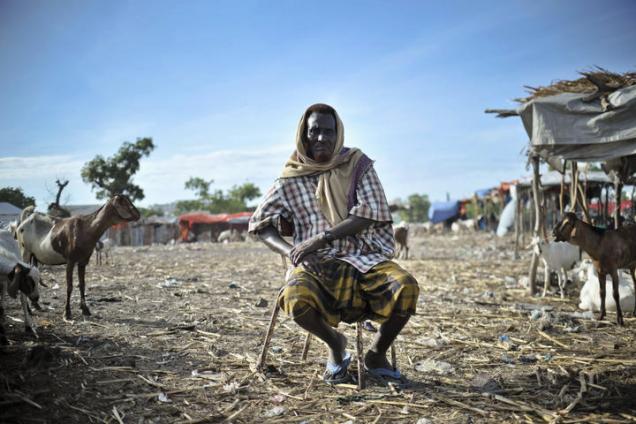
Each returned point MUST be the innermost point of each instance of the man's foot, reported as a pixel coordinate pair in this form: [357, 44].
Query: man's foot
[378, 366]
[374, 360]
[336, 354]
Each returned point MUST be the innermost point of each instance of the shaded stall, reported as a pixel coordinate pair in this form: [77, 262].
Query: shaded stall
[590, 119]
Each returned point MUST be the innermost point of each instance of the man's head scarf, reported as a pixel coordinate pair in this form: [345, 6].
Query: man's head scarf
[335, 175]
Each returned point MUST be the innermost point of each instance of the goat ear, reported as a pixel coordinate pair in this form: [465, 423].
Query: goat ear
[573, 232]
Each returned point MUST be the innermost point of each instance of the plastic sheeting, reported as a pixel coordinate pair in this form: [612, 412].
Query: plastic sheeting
[566, 127]
[441, 211]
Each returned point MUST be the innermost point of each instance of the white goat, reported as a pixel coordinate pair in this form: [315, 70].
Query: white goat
[591, 296]
[103, 249]
[16, 278]
[557, 256]
[464, 225]
[230, 235]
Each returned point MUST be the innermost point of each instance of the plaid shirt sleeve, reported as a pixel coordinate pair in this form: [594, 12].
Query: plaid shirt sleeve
[270, 210]
[372, 203]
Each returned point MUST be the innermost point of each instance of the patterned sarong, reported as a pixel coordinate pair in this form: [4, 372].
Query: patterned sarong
[343, 293]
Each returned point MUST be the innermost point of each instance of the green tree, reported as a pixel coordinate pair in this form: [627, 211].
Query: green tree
[146, 212]
[16, 197]
[416, 208]
[216, 201]
[114, 175]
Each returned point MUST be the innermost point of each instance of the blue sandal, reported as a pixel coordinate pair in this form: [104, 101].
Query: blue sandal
[384, 372]
[338, 373]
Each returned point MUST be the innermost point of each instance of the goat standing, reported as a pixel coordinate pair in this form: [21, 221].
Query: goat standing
[71, 241]
[401, 238]
[609, 250]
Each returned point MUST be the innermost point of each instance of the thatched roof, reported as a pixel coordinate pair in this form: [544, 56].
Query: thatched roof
[600, 81]
[597, 83]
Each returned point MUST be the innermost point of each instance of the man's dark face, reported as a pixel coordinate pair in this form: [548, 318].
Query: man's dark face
[321, 136]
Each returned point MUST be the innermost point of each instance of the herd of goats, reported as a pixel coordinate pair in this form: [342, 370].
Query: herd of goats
[38, 238]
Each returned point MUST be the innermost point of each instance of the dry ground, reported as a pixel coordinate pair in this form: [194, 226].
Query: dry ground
[176, 329]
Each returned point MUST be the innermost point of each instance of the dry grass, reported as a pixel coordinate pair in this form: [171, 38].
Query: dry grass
[175, 333]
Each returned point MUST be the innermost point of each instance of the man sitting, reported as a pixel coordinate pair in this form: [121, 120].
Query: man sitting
[343, 242]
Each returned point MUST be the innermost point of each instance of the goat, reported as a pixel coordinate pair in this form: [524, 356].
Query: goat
[609, 250]
[464, 225]
[231, 235]
[102, 250]
[556, 256]
[71, 241]
[590, 297]
[16, 278]
[401, 233]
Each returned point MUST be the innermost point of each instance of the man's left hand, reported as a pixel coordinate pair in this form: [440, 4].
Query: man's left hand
[308, 246]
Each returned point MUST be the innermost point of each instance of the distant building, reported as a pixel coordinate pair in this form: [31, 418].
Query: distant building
[9, 212]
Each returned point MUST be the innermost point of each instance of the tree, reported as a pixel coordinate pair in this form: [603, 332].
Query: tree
[55, 209]
[151, 211]
[416, 209]
[16, 197]
[235, 200]
[114, 175]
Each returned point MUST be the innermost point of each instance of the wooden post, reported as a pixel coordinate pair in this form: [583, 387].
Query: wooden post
[618, 191]
[538, 222]
[518, 218]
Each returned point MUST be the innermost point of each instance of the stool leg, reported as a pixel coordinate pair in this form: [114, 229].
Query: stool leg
[393, 357]
[359, 350]
[303, 357]
[268, 337]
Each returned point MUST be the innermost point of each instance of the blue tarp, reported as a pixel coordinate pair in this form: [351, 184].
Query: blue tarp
[441, 211]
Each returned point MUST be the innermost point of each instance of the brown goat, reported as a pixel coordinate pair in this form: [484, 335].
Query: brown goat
[401, 238]
[71, 241]
[610, 250]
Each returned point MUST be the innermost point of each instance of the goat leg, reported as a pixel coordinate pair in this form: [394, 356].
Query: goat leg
[81, 274]
[617, 300]
[546, 278]
[631, 271]
[601, 281]
[3, 337]
[29, 325]
[69, 289]
[563, 280]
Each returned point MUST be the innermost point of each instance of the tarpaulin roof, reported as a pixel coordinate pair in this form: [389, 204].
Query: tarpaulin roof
[568, 126]
[239, 218]
[441, 211]
[207, 218]
[553, 178]
[203, 218]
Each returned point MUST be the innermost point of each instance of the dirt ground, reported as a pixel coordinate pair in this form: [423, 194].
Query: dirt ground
[176, 330]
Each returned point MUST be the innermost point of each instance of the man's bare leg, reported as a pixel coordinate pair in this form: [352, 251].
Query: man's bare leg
[376, 356]
[314, 323]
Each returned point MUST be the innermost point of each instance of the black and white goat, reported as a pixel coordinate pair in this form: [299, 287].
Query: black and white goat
[16, 279]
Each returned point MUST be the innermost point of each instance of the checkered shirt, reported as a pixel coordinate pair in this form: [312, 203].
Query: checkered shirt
[294, 200]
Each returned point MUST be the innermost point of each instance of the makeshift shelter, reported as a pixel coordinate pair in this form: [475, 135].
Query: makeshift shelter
[589, 119]
[443, 211]
[9, 212]
[198, 226]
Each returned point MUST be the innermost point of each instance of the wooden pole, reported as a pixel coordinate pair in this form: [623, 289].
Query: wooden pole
[538, 221]
[518, 218]
[618, 190]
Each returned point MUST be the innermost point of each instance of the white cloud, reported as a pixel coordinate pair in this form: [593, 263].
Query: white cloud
[162, 179]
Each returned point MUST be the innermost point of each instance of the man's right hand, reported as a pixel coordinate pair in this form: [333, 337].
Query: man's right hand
[311, 263]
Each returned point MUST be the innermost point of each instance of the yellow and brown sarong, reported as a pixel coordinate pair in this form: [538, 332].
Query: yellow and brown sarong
[343, 293]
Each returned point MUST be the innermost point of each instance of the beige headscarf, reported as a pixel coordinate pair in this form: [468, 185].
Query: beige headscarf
[335, 175]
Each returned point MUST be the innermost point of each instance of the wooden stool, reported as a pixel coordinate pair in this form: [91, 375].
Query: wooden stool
[359, 348]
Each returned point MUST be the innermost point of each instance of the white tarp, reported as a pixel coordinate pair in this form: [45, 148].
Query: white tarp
[569, 128]
[553, 178]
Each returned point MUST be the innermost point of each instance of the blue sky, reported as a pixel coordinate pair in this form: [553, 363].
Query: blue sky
[220, 85]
